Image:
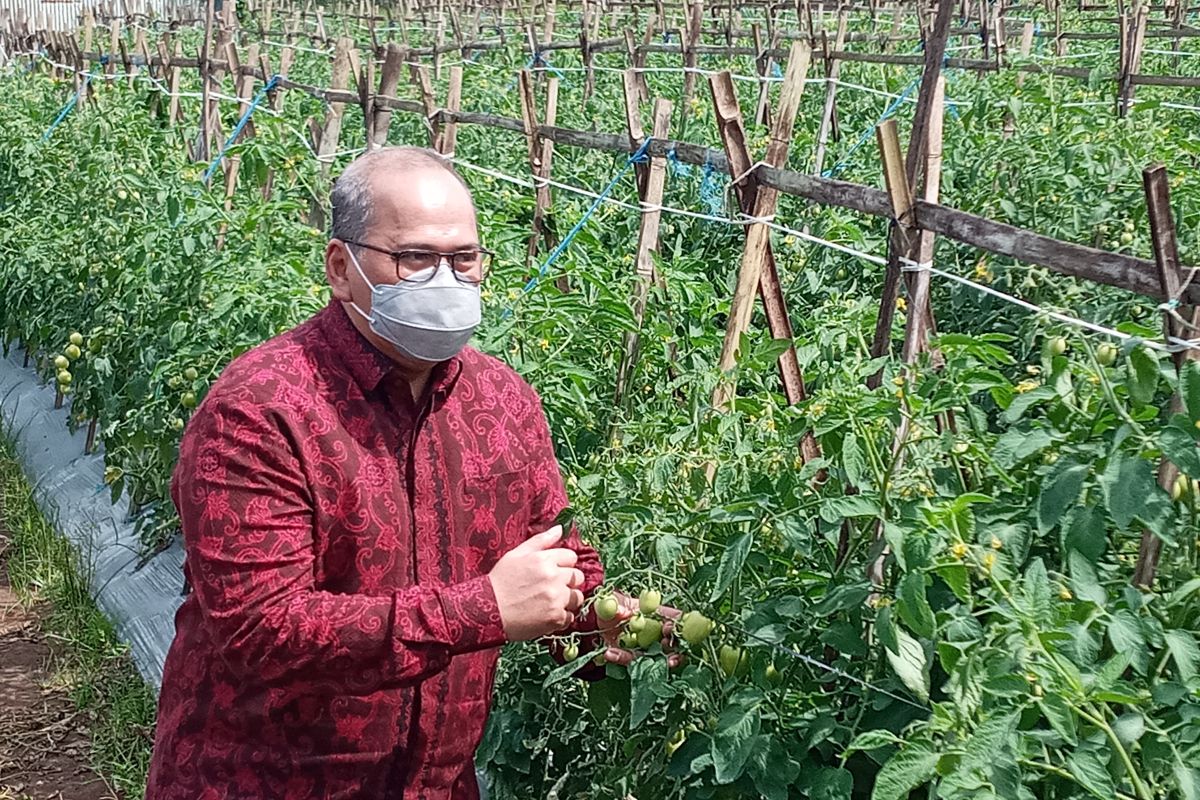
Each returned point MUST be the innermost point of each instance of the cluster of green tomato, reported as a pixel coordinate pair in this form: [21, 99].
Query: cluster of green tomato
[62, 363]
[646, 627]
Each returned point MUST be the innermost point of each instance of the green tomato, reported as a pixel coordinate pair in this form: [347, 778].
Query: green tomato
[649, 601]
[76, 338]
[188, 400]
[61, 362]
[64, 377]
[628, 640]
[732, 660]
[694, 627]
[637, 624]
[675, 742]
[606, 607]
[1058, 345]
[73, 352]
[773, 675]
[571, 652]
[1126, 238]
[1106, 355]
[190, 374]
[650, 633]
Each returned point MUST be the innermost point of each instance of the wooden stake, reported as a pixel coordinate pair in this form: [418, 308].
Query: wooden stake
[449, 139]
[647, 243]
[833, 69]
[758, 234]
[1179, 323]
[202, 148]
[541, 152]
[733, 136]
[331, 129]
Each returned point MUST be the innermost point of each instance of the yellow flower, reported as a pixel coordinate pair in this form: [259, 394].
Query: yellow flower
[790, 241]
[544, 344]
[959, 550]
[486, 294]
[513, 294]
[1033, 369]
[817, 409]
[1064, 593]
[1026, 386]
[901, 304]
[988, 561]
[996, 543]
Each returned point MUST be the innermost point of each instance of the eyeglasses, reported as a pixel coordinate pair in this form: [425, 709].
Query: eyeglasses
[468, 266]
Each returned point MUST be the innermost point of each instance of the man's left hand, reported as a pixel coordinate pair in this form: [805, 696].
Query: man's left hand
[627, 608]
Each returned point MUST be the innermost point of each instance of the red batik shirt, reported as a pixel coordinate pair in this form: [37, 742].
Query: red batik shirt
[341, 635]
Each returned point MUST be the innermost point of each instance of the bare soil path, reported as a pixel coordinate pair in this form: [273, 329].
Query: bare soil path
[44, 742]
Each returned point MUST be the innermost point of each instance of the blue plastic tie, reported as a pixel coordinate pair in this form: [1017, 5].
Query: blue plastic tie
[637, 157]
[711, 192]
[87, 79]
[888, 113]
[677, 167]
[776, 72]
[241, 124]
[666, 37]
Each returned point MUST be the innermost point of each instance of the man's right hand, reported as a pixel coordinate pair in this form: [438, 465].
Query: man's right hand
[537, 587]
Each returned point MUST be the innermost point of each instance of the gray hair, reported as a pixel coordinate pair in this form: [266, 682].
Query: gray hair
[351, 196]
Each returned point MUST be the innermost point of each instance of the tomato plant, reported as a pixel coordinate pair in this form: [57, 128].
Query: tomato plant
[998, 492]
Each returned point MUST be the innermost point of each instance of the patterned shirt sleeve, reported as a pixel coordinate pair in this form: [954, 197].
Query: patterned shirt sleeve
[248, 532]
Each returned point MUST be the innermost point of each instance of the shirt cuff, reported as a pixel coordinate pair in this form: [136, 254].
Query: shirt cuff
[472, 615]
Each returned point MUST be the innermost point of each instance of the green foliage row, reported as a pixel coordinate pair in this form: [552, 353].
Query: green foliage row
[1004, 653]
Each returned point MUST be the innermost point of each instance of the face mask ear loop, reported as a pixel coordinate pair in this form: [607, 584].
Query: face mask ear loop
[357, 266]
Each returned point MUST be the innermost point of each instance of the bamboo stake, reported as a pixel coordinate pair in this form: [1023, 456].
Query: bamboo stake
[1179, 323]
[647, 241]
[758, 234]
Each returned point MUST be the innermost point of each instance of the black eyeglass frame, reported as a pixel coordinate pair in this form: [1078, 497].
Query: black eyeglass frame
[462, 276]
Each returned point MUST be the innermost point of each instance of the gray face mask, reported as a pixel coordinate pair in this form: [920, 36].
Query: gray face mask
[429, 321]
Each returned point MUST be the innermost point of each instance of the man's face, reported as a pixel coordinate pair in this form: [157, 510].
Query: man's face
[413, 210]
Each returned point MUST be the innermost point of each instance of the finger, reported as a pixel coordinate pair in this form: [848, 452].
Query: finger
[575, 602]
[566, 619]
[577, 579]
[676, 660]
[562, 556]
[540, 541]
[667, 612]
[668, 631]
[619, 655]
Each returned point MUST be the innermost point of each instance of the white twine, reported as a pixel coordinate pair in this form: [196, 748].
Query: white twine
[1174, 344]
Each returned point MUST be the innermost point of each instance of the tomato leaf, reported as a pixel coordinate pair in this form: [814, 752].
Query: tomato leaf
[1060, 716]
[1188, 780]
[568, 669]
[1125, 633]
[734, 740]
[1091, 773]
[910, 664]
[1128, 486]
[1084, 580]
[904, 771]
[1142, 380]
[1185, 651]
[731, 563]
[914, 606]
[647, 676]
[1189, 389]
[1059, 493]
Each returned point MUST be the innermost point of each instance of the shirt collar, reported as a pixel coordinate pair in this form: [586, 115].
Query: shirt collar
[367, 364]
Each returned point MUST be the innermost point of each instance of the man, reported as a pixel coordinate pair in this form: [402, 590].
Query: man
[367, 509]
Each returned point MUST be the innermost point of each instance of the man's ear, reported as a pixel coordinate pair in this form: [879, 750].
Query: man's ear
[337, 270]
